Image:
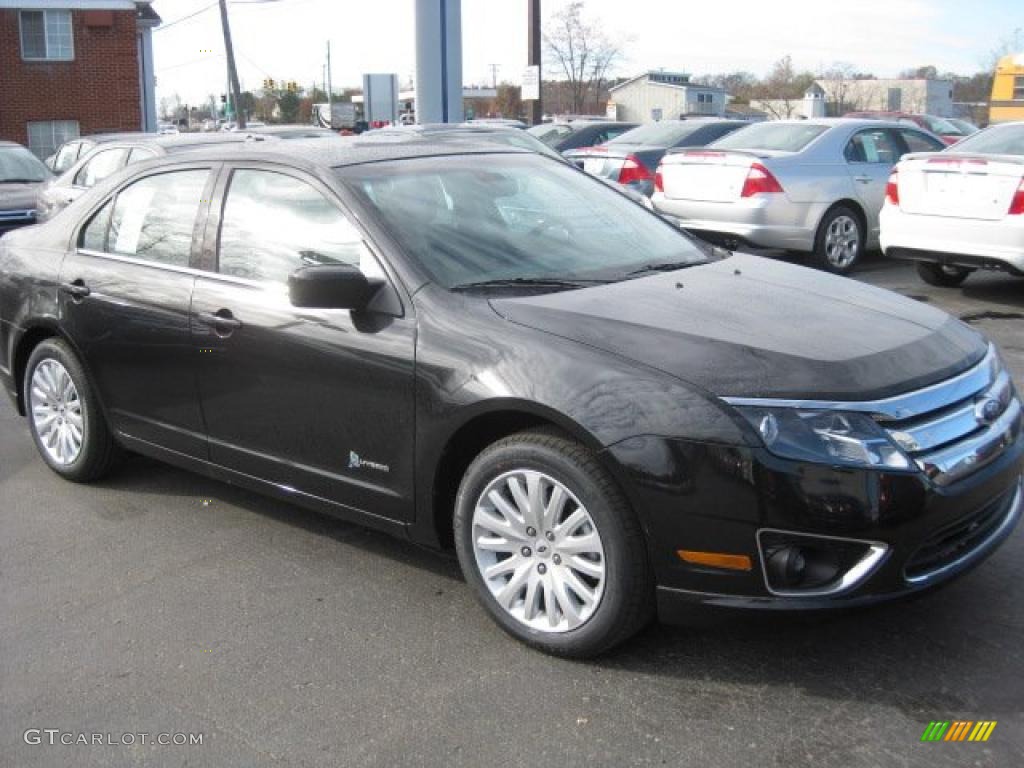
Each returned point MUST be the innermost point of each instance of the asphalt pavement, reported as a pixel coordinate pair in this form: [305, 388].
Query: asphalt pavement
[160, 602]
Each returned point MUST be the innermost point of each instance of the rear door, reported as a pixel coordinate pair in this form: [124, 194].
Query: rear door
[870, 156]
[316, 400]
[126, 287]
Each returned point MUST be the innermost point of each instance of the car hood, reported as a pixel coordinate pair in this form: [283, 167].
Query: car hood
[15, 197]
[746, 326]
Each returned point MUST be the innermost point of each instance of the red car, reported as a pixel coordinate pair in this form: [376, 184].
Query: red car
[940, 126]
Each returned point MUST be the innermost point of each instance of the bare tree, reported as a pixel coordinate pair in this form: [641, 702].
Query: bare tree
[581, 50]
[781, 93]
[837, 81]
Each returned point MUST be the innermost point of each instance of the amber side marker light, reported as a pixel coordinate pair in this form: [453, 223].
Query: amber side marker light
[716, 559]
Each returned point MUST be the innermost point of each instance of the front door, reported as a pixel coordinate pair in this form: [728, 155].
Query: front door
[316, 401]
[125, 294]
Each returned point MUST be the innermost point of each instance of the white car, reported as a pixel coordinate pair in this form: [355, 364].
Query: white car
[959, 210]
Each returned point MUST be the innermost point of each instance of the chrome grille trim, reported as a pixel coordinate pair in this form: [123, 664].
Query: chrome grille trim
[899, 407]
[949, 426]
[950, 464]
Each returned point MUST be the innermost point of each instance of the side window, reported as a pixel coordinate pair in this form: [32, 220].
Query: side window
[153, 218]
[273, 224]
[94, 234]
[876, 145]
[919, 142]
[101, 165]
[139, 153]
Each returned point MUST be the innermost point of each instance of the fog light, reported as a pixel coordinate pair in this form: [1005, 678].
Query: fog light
[799, 564]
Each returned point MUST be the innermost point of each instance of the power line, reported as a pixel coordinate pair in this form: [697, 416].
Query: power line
[170, 24]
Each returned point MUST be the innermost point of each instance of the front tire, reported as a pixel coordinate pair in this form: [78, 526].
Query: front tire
[942, 275]
[551, 547]
[839, 243]
[64, 415]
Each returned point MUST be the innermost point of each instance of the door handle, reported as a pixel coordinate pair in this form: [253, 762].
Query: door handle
[77, 289]
[863, 179]
[222, 321]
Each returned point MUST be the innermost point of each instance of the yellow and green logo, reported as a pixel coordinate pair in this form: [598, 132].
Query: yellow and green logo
[958, 730]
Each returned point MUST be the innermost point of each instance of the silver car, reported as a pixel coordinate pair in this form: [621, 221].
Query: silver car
[812, 186]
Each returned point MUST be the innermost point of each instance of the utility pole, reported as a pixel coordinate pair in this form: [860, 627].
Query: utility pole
[236, 91]
[494, 75]
[330, 87]
[533, 44]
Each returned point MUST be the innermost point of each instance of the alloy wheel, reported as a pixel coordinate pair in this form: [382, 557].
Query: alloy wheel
[538, 551]
[56, 412]
[842, 241]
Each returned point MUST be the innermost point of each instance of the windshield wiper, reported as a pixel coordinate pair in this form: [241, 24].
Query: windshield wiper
[540, 282]
[19, 181]
[662, 266]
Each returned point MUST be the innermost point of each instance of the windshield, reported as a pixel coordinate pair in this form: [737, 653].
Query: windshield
[663, 134]
[780, 137]
[472, 218]
[550, 134]
[18, 164]
[997, 140]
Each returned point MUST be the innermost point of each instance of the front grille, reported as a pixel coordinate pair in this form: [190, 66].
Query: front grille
[959, 540]
[964, 425]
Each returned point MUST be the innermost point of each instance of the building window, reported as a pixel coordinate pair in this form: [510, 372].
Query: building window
[46, 36]
[44, 136]
[1018, 88]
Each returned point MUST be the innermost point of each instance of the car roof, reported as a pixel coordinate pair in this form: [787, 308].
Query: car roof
[831, 122]
[348, 151]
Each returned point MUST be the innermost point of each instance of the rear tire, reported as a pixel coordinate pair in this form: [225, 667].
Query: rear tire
[533, 567]
[64, 416]
[839, 243]
[942, 275]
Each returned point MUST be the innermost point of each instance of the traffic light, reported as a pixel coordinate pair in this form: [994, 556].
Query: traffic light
[223, 99]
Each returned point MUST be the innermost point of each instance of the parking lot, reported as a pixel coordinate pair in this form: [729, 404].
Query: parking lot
[159, 601]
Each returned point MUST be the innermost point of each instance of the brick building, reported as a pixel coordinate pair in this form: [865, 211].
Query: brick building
[75, 67]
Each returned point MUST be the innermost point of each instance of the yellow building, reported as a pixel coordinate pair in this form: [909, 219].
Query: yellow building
[1008, 90]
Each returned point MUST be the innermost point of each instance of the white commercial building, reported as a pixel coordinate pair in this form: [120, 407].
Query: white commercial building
[919, 96]
[664, 95]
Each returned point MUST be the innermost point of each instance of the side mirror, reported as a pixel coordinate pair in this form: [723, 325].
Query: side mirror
[51, 162]
[331, 286]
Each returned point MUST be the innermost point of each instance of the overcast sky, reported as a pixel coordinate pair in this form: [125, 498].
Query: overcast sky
[286, 39]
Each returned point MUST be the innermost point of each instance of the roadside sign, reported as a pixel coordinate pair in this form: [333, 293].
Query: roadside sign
[531, 83]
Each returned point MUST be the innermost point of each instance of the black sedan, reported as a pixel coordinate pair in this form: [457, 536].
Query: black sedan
[632, 158]
[577, 134]
[483, 348]
[22, 174]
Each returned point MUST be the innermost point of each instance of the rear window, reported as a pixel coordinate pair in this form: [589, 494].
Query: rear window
[781, 137]
[941, 126]
[998, 140]
[657, 134]
[550, 134]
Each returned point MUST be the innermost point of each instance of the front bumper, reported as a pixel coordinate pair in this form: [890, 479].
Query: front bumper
[714, 498]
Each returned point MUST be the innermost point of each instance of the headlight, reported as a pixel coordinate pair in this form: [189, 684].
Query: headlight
[825, 437]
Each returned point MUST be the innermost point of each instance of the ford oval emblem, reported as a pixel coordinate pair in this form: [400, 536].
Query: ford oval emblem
[987, 410]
